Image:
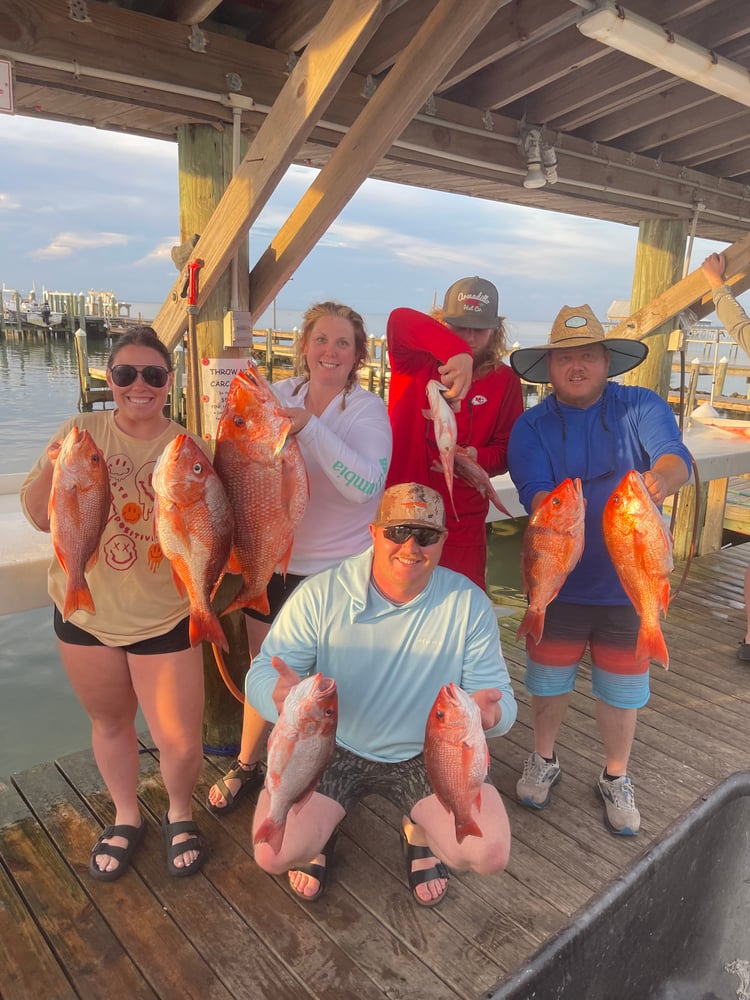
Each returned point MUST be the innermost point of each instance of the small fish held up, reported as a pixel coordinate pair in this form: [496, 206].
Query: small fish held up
[444, 424]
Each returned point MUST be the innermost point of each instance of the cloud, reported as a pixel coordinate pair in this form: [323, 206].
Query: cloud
[160, 253]
[8, 203]
[65, 244]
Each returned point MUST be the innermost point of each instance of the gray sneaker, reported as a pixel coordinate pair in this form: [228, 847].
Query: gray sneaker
[534, 787]
[620, 814]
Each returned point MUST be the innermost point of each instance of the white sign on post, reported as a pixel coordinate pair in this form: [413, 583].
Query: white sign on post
[6, 87]
[216, 377]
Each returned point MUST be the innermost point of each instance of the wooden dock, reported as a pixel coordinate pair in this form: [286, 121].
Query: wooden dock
[234, 932]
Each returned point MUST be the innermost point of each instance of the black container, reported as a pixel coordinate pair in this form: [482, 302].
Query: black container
[676, 926]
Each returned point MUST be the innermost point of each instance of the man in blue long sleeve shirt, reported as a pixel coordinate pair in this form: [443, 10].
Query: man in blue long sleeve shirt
[596, 431]
[391, 627]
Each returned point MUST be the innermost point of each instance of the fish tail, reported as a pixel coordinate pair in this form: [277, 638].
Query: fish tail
[77, 598]
[468, 828]
[532, 624]
[244, 599]
[205, 626]
[270, 832]
[651, 645]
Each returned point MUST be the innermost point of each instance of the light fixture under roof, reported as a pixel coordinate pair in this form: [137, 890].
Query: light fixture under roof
[620, 29]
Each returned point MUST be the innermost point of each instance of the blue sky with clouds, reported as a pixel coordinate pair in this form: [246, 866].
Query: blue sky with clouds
[81, 209]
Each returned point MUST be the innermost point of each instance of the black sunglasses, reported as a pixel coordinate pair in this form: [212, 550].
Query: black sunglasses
[153, 375]
[400, 533]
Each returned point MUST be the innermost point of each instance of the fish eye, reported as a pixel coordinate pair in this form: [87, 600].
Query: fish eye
[198, 468]
[556, 502]
[239, 421]
[440, 714]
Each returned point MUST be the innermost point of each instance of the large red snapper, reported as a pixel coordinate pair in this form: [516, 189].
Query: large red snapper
[79, 506]
[640, 547]
[552, 547]
[194, 527]
[444, 424]
[456, 756]
[265, 479]
[300, 748]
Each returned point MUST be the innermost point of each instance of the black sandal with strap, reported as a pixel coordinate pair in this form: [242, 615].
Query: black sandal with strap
[123, 855]
[319, 872]
[250, 778]
[172, 830]
[416, 852]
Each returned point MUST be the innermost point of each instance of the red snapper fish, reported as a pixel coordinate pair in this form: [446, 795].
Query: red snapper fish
[265, 479]
[640, 547]
[456, 756]
[444, 423]
[300, 748]
[552, 547]
[194, 526]
[472, 472]
[79, 506]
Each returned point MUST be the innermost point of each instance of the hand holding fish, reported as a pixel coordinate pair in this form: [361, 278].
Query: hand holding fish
[456, 375]
[488, 700]
[298, 415]
[287, 680]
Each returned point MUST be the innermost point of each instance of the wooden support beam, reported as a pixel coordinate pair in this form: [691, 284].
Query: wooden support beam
[692, 292]
[432, 51]
[193, 11]
[341, 36]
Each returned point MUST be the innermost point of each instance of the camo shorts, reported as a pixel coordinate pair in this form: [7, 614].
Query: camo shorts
[349, 777]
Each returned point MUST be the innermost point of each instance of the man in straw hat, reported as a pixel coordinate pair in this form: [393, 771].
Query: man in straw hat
[390, 626]
[597, 431]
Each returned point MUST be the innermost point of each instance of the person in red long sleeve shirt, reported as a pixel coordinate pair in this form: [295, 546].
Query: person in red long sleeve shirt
[463, 351]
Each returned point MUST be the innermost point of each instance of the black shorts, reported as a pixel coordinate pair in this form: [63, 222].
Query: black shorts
[349, 777]
[278, 590]
[173, 641]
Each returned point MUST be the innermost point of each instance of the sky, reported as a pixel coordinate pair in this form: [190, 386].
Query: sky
[82, 208]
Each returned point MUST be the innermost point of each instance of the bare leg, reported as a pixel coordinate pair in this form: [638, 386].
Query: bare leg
[255, 729]
[101, 679]
[435, 827]
[306, 832]
[547, 715]
[617, 728]
[170, 691]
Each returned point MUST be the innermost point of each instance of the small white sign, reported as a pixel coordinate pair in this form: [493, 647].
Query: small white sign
[6, 87]
[216, 377]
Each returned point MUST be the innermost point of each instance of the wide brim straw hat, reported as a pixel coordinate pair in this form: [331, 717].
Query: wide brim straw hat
[576, 326]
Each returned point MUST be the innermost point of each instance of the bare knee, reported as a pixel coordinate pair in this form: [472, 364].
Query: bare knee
[495, 859]
[274, 864]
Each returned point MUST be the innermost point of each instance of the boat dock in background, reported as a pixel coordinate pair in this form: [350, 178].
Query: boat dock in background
[98, 313]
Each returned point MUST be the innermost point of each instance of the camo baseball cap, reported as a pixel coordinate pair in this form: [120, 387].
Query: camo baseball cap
[411, 503]
[472, 303]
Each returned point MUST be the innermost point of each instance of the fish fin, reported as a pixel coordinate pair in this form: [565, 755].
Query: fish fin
[270, 832]
[532, 624]
[205, 626]
[467, 829]
[243, 599]
[181, 588]
[651, 645]
[77, 598]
